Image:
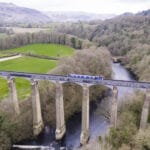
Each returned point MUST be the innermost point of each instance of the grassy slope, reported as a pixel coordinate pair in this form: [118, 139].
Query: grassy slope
[25, 64]
[54, 50]
[29, 64]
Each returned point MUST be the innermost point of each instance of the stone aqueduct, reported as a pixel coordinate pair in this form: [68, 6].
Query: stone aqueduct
[60, 119]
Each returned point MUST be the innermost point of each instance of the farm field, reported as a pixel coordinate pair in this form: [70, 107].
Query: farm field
[24, 64]
[53, 50]
[22, 85]
[30, 64]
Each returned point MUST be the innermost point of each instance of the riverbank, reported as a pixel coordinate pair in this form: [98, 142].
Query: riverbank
[124, 62]
[128, 134]
[135, 76]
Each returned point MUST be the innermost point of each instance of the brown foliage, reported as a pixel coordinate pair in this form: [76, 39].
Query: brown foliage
[14, 128]
[43, 37]
[91, 62]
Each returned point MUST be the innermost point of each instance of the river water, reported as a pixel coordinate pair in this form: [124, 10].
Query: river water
[98, 123]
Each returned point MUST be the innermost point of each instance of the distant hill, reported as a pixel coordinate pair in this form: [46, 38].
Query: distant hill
[76, 16]
[11, 14]
[144, 13]
[126, 14]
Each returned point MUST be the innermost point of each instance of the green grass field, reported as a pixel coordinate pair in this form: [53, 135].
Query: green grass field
[30, 64]
[54, 50]
[22, 85]
[24, 64]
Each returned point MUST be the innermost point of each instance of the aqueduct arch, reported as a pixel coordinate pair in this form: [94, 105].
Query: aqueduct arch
[60, 118]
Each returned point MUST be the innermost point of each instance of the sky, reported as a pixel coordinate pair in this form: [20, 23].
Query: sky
[95, 6]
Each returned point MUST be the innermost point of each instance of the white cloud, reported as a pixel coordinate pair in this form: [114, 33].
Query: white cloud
[97, 6]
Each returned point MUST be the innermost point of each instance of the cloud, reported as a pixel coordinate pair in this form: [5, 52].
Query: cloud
[97, 6]
[132, 1]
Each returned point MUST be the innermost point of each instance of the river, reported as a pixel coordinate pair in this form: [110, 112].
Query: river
[98, 123]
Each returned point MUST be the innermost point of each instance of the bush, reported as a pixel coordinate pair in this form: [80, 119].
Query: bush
[128, 122]
[5, 141]
[14, 128]
[142, 140]
[123, 134]
[92, 62]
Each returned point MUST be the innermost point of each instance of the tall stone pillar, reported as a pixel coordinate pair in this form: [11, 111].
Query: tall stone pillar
[60, 118]
[13, 95]
[145, 110]
[113, 119]
[36, 108]
[85, 115]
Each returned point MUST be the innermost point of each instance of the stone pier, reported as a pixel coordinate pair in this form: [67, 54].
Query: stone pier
[113, 119]
[13, 95]
[145, 110]
[36, 107]
[85, 115]
[60, 118]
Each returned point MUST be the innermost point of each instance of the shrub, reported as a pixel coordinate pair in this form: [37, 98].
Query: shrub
[124, 132]
[142, 140]
[128, 122]
[92, 62]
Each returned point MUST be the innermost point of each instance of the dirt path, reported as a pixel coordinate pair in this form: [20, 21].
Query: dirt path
[9, 58]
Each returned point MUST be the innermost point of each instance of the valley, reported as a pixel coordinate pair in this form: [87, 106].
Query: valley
[63, 43]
